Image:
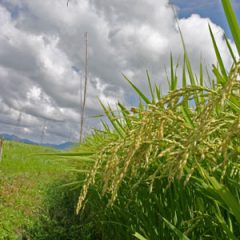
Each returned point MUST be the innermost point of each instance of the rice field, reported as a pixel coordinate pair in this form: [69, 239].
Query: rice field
[168, 168]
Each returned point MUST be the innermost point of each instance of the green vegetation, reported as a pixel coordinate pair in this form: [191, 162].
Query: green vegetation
[167, 169]
[24, 175]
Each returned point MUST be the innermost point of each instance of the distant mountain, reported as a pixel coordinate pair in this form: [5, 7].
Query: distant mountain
[61, 146]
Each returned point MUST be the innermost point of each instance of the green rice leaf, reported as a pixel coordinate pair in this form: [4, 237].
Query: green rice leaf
[180, 235]
[139, 236]
[68, 154]
[150, 86]
[224, 193]
[230, 49]
[111, 119]
[218, 55]
[201, 74]
[232, 22]
[125, 114]
[186, 114]
[220, 79]
[225, 227]
[158, 92]
[140, 93]
[184, 79]
[173, 78]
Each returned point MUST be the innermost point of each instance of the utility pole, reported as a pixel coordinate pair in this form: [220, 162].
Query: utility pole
[85, 87]
[18, 124]
[43, 132]
[1, 149]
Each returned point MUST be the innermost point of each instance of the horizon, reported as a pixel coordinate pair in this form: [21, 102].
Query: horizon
[14, 138]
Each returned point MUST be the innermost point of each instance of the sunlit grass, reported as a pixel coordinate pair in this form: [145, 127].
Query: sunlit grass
[24, 175]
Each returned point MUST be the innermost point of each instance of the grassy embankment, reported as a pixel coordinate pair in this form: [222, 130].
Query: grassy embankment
[24, 175]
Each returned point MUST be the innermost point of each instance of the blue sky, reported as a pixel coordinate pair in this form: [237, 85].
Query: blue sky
[207, 8]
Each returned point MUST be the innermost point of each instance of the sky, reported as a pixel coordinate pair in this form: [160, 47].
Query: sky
[42, 56]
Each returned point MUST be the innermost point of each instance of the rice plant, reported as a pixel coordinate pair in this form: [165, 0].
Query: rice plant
[169, 168]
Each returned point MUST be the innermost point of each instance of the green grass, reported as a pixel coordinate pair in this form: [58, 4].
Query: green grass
[24, 175]
[166, 169]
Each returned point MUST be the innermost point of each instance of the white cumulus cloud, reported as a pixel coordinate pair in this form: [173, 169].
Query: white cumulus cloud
[42, 58]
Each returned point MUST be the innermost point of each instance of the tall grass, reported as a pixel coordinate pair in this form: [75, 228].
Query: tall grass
[169, 168]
